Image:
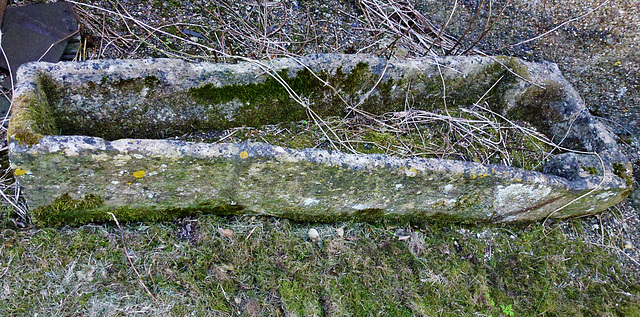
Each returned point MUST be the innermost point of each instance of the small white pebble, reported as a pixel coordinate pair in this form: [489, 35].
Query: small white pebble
[314, 235]
[340, 232]
[628, 245]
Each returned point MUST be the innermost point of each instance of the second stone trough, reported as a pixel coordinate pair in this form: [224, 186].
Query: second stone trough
[88, 138]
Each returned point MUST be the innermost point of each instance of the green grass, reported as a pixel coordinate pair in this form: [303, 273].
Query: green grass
[270, 267]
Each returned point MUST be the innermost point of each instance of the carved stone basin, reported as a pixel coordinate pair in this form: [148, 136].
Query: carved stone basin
[87, 138]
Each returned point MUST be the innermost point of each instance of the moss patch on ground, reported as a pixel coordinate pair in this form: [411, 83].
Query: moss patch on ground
[257, 266]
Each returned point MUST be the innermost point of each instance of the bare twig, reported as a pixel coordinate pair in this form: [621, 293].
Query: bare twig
[126, 253]
[409, 26]
[60, 40]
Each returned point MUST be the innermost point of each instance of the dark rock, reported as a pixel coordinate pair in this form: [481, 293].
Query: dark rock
[38, 32]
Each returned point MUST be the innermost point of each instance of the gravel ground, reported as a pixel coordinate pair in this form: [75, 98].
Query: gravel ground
[598, 53]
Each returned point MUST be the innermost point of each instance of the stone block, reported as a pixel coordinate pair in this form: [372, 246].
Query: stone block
[92, 137]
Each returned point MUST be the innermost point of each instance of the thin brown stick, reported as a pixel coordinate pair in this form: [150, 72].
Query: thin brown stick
[126, 253]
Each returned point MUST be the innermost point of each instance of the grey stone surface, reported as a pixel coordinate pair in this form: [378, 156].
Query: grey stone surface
[306, 184]
[38, 32]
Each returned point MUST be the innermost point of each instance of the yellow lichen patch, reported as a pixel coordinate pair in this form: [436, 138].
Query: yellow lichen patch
[479, 175]
[19, 172]
[139, 174]
[244, 154]
[412, 172]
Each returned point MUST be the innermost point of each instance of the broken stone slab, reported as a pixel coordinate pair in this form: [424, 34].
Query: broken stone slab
[87, 138]
[36, 32]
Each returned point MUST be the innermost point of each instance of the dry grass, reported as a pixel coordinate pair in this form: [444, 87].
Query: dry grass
[262, 266]
[13, 208]
[412, 31]
[473, 134]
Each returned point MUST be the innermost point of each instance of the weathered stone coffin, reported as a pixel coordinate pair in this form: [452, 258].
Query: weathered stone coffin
[88, 138]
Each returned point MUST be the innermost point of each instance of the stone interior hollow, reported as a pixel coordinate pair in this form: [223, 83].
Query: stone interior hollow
[153, 106]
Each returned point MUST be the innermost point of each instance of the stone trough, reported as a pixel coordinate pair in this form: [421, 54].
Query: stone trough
[87, 138]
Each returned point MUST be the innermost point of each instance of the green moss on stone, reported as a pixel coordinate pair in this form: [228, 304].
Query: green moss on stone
[269, 102]
[534, 106]
[444, 219]
[374, 215]
[66, 211]
[368, 214]
[32, 117]
[621, 171]
[591, 170]
[503, 74]
[21, 121]
[48, 94]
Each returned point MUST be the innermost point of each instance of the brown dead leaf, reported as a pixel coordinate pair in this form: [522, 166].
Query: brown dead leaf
[226, 232]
